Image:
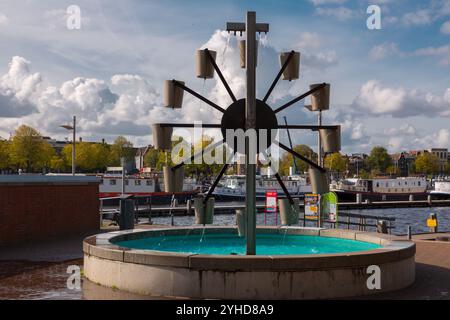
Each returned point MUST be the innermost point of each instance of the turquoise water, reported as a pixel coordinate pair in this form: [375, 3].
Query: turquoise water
[266, 244]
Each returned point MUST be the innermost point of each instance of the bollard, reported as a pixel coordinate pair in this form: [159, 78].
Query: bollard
[432, 222]
[409, 232]
[126, 216]
[358, 198]
[241, 222]
[429, 199]
[382, 226]
[411, 197]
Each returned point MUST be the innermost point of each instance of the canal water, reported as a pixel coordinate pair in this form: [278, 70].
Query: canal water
[415, 217]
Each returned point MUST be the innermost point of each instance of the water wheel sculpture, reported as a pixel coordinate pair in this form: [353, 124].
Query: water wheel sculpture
[247, 113]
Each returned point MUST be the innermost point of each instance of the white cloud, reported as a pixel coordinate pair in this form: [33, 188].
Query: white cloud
[442, 53]
[4, 20]
[445, 28]
[383, 50]
[339, 13]
[376, 99]
[322, 2]
[417, 18]
[309, 40]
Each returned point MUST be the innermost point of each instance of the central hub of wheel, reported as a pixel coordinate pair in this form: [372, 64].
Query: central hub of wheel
[234, 119]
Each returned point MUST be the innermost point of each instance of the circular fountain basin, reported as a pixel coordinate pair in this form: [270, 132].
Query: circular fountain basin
[232, 244]
[291, 262]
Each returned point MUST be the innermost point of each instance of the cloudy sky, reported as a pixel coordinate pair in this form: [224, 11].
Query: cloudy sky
[390, 87]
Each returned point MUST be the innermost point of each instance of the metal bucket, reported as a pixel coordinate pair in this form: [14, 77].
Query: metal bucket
[331, 140]
[204, 67]
[320, 100]
[319, 181]
[204, 213]
[289, 214]
[292, 70]
[162, 137]
[173, 179]
[241, 222]
[243, 51]
[172, 95]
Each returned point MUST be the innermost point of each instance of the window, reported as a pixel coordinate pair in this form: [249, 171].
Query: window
[112, 182]
[126, 182]
[137, 182]
[418, 183]
[378, 184]
[149, 182]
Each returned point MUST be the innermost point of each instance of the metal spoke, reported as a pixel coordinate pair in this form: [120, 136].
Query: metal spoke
[303, 96]
[306, 127]
[296, 154]
[275, 81]
[285, 190]
[199, 96]
[211, 146]
[190, 125]
[211, 190]
[222, 78]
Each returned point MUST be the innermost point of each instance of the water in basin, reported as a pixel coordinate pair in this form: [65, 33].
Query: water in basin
[266, 244]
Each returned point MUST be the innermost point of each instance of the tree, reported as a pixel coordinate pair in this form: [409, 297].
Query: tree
[5, 159]
[100, 152]
[393, 170]
[379, 160]
[29, 150]
[152, 158]
[427, 163]
[121, 148]
[57, 164]
[89, 156]
[336, 162]
[287, 159]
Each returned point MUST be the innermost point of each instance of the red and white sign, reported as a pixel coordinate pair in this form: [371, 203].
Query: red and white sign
[271, 205]
[271, 201]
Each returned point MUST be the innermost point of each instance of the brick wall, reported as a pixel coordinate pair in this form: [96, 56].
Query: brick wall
[37, 211]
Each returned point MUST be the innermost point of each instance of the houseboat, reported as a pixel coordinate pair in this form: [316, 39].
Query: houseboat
[381, 189]
[232, 187]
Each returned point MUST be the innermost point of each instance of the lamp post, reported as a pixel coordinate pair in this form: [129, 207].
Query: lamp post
[73, 129]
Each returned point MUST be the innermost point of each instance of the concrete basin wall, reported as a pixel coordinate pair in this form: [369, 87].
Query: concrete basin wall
[319, 276]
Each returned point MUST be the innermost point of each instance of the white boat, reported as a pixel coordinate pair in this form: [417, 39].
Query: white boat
[441, 189]
[232, 187]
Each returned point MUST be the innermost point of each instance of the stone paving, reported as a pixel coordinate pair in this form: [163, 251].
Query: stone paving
[39, 271]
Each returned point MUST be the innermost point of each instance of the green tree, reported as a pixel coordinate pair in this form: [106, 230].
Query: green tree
[121, 148]
[336, 162]
[5, 159]
[57, 164]
[287, 159]
[152, 157]
[427, 163]
[29, 150]
[379, 160]
[100, 153]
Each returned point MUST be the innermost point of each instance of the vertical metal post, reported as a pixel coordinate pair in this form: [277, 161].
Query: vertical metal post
[122, 163]
[250, 123]
[319, 142]
[73, 145]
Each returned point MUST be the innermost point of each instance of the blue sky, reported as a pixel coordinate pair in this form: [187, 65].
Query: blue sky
[390, 87]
